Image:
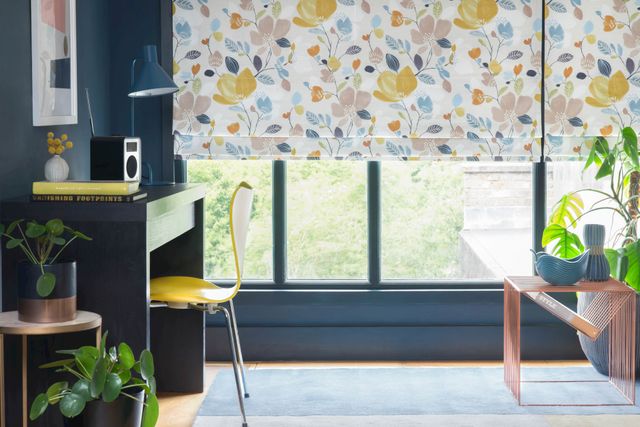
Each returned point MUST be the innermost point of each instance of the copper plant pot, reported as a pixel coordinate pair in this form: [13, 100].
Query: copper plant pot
[59, 306]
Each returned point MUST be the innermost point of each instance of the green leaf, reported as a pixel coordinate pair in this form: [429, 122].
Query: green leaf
[568, 208]
[103, 344]
[567, 244]
[112, 387]
[98, 378]
[55, 227]
[151, 411]
[57, 364]
[45, 284]
[14, 243]
[72, 405]
[607, 167]
[13, 225]
[54, 390]
[2, 229]
[82, 388]
[35, 230]
[630, 144]
[82, 236]
[613, 257]
[60, 241]
[146, 364]
[86, 358]
[39, 405]
[124, 374]
[113, 354]
[125, 355]
[632, 251]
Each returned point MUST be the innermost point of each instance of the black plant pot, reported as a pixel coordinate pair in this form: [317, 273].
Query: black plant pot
[122, 412]
[59, 306]
[598, 351]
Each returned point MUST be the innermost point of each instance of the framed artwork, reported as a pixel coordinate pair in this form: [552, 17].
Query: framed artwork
[54, 62]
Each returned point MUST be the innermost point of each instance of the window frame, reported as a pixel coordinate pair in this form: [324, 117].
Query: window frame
[374, 281]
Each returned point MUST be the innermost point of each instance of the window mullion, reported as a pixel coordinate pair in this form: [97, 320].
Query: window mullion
[279, 188]
[374, 210]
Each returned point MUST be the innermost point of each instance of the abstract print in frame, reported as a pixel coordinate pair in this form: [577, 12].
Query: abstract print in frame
[54, 61]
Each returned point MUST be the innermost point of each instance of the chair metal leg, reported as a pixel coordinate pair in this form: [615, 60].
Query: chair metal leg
[236, 368]
[234, 325]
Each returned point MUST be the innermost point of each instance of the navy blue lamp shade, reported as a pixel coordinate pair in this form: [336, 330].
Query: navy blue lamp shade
[151, 79]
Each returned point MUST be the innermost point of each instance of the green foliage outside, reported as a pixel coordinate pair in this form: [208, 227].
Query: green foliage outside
[422, 216]
[327, 219]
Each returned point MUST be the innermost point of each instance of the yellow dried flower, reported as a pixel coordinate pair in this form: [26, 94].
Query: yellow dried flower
[64, 137]
[69, 145]
[50, 135]
[57, 141]
[52, 150]
[50, 141]
[59, 150]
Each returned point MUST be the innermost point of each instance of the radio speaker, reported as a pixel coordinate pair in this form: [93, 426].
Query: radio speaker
[115, 158]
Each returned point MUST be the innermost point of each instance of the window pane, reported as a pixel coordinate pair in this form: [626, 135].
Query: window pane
[327, 220]
[567, 176]
[455, 220]
[221, 178]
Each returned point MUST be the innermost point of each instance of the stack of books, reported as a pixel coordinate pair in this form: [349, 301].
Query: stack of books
[87, 191]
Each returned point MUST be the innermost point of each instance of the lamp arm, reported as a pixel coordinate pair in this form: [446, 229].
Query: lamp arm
[133, 116]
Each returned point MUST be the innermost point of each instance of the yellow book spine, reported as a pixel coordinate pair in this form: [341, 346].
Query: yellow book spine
[85, 188]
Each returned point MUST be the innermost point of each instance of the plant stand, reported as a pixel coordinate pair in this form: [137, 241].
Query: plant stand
[10, 325]
[614, 307]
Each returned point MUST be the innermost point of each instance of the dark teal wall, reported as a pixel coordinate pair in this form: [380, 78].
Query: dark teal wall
[22, 146]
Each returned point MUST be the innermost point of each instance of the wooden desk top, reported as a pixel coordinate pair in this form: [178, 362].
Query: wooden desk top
[10, 325]
[536, 284]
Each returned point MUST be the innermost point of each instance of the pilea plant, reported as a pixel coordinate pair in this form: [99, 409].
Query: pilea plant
[618, 162]
[100, 374]
[42, 244]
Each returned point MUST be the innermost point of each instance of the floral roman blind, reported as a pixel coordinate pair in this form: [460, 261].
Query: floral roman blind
[349, 79]
[592, 72]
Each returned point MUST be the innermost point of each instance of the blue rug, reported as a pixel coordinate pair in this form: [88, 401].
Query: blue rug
[410, 391]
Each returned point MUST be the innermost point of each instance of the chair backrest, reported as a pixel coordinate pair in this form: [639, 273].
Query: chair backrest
[239, 216]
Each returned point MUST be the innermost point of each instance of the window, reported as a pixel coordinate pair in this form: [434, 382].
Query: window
[327, 220]
[455, 220]
[566, 176]
[221, 178]
[375, 223]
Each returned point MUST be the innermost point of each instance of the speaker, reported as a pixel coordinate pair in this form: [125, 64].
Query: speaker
[115, 158]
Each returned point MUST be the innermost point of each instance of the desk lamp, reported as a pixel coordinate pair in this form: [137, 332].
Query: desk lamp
[149, 81]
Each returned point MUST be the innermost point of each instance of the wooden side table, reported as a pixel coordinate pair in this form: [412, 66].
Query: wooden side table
[613, 307]
[10, 325]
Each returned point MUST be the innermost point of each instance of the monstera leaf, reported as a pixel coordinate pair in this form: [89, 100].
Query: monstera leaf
[567, 210]
[566, 244]
[632, 252]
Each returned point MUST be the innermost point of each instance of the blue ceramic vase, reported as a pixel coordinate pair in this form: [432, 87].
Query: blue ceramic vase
[598, 266]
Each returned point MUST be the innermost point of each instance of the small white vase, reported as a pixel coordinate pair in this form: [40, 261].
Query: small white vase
[56, 169]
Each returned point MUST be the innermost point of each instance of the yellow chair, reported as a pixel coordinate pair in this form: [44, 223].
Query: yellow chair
[193, 293]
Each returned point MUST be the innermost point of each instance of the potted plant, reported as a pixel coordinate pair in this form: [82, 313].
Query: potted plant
[618, 162]
[56, 168]
[46, 282]
[111, 388]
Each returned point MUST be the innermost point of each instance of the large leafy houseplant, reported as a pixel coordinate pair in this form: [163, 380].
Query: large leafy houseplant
[42, 244]
[618, 163]
[100, 373]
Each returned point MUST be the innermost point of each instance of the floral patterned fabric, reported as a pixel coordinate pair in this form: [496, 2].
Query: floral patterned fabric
[350, 79]
[592, 72]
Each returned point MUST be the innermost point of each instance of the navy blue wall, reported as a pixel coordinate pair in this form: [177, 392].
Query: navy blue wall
[23, 149]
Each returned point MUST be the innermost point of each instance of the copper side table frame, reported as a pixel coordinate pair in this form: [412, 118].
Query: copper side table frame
[10, 325]
[614, 307]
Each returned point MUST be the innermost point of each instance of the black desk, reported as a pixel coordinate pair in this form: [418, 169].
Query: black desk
[132, 242]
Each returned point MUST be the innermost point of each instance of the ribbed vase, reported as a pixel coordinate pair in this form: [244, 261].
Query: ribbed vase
[598, 267]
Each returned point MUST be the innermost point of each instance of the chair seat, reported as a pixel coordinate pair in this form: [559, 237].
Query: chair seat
[183, 289]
